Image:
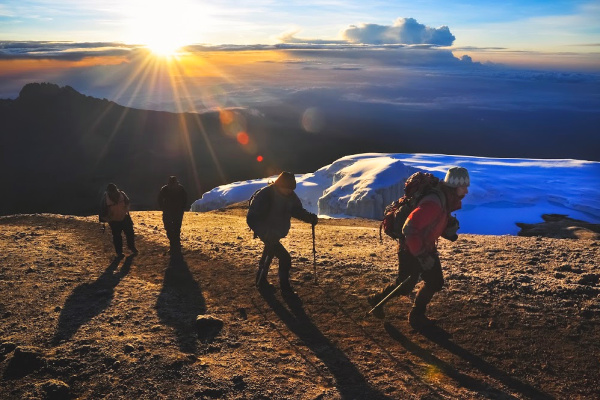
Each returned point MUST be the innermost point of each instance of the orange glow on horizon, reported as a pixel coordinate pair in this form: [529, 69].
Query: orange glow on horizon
[8, 67]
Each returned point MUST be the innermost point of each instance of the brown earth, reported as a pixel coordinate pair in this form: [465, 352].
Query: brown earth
[518, 319]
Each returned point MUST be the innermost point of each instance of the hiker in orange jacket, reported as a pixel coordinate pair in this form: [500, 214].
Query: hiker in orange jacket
[417, 252]
[115, 211]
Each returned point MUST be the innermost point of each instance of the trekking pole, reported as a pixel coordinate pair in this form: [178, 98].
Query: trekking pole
[385, 299]
[314, 256]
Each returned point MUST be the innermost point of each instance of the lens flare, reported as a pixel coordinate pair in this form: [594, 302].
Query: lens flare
[243, 138]
[313, 120]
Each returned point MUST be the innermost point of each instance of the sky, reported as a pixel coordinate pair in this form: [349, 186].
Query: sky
[490, 69]
[502, 191]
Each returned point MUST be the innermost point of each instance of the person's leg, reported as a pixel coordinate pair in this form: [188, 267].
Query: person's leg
[177, 221]
[263, 268]
[129, 234]
[167, 222]
[434, 281]
[116, 227]
[408, 276]
[285, 264]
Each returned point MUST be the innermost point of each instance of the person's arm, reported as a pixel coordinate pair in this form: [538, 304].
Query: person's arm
[184, 199]
[126, 200]
[299, 212]
[419, 227]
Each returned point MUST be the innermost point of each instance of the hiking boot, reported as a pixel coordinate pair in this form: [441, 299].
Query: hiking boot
[418, 319]
[373, 301]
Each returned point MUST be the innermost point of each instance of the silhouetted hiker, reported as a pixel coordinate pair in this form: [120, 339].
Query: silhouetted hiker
[172, 200]
[115, 210]
[417, 251]
[271, 209]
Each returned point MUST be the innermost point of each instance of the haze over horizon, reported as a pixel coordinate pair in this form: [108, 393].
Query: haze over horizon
[526, 73]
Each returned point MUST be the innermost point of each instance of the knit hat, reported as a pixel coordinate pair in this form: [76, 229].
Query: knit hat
[457, 177]
[286, 180]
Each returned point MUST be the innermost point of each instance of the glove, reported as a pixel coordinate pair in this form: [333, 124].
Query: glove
[314, 219]
[451, 229]
[426, 261]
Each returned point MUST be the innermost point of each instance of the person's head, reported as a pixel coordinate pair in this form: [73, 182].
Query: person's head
[173, 180]
[285, 183]
[113, 192]
[112, 188]
[458, 181]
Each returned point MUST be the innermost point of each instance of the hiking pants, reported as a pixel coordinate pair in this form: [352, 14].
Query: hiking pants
[285, 260]
[409, 271]
[116, 228]
[173, 228]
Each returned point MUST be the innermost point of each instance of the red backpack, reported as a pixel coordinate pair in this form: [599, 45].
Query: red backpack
[417, 186]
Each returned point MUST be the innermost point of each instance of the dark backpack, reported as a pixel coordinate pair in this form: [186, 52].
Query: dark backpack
[257, 210]
[417, 186]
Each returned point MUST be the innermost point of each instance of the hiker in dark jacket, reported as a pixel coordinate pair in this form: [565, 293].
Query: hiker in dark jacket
[115, 210]
[417, 252]
[269, 217]
[172, 200]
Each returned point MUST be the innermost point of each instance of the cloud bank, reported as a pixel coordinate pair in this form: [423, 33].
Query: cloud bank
[403, 31]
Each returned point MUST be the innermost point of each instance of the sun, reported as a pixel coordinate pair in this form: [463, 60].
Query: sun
[164, 27]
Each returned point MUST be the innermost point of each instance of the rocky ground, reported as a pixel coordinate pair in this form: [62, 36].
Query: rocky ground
[519, 317]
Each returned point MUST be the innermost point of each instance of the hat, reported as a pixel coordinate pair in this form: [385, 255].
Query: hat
[286, 180]
[111, 187]
[173, 180]
[457, 177]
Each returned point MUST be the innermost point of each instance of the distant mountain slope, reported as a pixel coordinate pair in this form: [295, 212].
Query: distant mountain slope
[60, 148]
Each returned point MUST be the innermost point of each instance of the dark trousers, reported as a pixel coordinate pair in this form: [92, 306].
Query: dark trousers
[409, 271]
[173, 228]
[116, 228]
[285, 261]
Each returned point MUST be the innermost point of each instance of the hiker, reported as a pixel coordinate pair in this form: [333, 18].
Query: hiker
[172, 200]
[115, 210]
[271, 209]
[417, 252]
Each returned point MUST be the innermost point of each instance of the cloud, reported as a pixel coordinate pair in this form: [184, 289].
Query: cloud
[404, 31]
[67, 51]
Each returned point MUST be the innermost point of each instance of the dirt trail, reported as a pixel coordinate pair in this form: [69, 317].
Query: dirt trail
[518, 319]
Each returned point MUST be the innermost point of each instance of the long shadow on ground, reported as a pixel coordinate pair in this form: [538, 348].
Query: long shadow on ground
[180, 302]
[89, 300]
[348, 379]
[441, 337]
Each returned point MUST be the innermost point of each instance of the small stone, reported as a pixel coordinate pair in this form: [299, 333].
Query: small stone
[128, 348]
[208, 327]
[57, 309]
[24, 361]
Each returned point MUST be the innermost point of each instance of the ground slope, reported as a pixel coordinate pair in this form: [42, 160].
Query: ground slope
[518, 319]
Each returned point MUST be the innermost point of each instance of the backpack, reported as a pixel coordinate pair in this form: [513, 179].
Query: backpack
[257, 211]
[417, 186]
